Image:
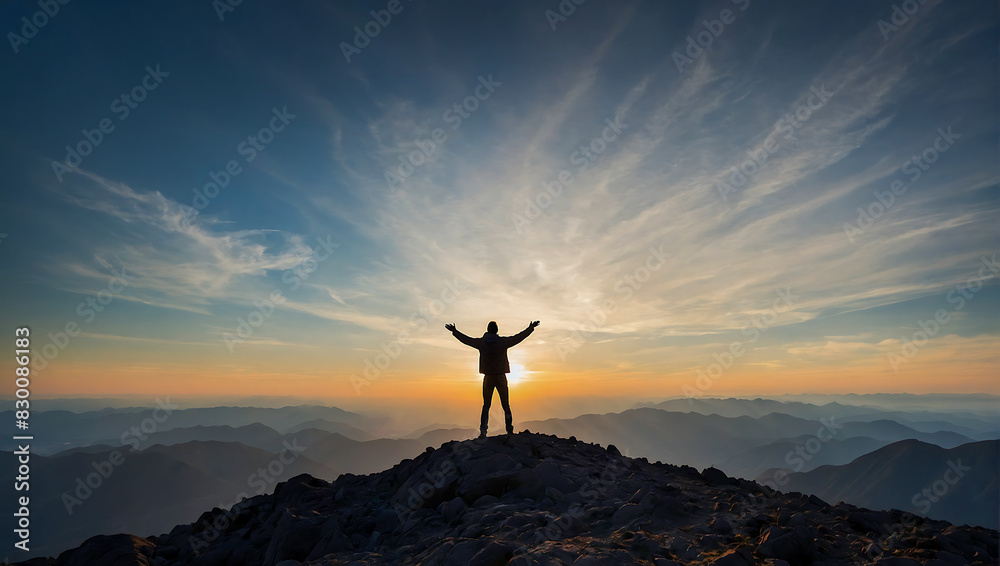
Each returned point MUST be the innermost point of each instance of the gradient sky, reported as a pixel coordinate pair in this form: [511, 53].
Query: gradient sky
[687, 120]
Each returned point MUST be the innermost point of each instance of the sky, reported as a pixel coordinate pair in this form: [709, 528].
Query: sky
[695, 199]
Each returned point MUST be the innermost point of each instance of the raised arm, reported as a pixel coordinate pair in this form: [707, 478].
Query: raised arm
[467, 340]
[517, 338]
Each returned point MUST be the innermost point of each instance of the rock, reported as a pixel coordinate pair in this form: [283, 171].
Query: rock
[712, 542]
[615, 511]
[817, 503]
[527, 484]
[720, 526]
[463, 552]
[490, 465]
[453, 509]
[331, 539]
[550, 475]
[493, 554]
[949, 558]
[486, 501]
[627, 513]
[648, 501]
[797, 519]
[288, 492]
[684, 550]
[110, 550]
[470, 489]
[716, 476]
[555, 495]
[863, 521]
[386, 520]
[668, 508]
[735, 557]
[637, 496]
[294, 538]
[793, 545]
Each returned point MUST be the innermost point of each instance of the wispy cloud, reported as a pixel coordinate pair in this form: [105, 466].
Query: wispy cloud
[176, 259]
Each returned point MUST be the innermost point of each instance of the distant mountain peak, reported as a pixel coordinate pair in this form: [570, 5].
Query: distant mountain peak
[538, 499]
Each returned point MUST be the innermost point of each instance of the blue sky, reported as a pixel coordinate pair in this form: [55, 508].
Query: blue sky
[462, 219]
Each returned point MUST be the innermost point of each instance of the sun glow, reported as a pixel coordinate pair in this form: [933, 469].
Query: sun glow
[516, 375]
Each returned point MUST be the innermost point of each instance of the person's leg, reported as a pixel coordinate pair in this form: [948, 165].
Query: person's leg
[505, 402]
[488, 386]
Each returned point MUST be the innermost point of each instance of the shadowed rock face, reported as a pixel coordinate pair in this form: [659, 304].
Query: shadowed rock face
[538, 499]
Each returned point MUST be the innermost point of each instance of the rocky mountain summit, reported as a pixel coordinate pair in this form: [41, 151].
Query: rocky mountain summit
[538, 499]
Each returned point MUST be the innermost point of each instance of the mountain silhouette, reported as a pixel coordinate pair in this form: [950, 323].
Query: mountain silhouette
[81, 494]
[962, 482]
[537, 499]
[710, 440]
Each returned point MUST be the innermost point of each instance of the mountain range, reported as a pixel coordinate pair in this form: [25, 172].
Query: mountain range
[200, 465]
[958, 484]
[530, 498]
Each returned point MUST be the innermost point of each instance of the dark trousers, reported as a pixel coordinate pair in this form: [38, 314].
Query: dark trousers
[498, 382]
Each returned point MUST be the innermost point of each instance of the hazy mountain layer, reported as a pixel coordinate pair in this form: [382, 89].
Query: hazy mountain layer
[958, 484]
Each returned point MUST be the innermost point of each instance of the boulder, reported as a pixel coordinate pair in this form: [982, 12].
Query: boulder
[110, 550]
[796, 545]
[550, 475]
[627, 513]
[735, 557]
[717, 477]
[720, 526]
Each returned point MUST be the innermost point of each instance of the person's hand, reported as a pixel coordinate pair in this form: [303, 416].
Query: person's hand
[450, 327]
[535, 323]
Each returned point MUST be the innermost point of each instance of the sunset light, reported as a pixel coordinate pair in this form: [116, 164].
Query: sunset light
[438, 267]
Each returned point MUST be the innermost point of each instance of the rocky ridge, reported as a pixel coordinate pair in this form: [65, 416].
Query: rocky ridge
[537, 499]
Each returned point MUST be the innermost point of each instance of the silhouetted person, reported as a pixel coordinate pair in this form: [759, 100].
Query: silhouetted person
[494, 366]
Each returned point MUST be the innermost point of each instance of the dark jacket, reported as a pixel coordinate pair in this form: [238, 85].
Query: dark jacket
[493, 349]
